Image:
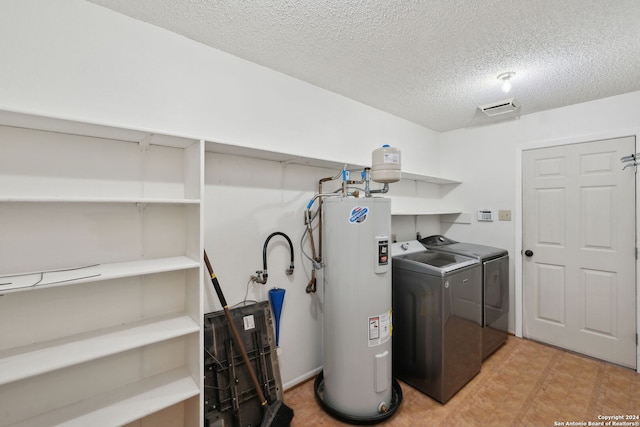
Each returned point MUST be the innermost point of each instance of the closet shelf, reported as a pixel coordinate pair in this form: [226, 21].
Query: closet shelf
[123, 200]
[94, 273]
[424, 212]
[403, 205]
[29, 361]
[27, 120]
[123, 405]
[428, 178]
[288, 158]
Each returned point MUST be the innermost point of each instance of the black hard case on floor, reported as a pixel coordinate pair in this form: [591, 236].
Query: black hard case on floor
[229, 396]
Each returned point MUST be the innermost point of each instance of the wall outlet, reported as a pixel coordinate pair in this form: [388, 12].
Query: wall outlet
[504, 215]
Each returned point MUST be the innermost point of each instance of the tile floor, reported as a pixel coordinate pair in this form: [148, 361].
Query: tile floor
[523, 383]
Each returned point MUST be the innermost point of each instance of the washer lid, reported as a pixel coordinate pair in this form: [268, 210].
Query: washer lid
[442, 261]
[436, 240]
[438, 262]
[468, 249]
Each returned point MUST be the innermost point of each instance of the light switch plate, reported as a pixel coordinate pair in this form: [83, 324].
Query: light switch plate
[504, 215]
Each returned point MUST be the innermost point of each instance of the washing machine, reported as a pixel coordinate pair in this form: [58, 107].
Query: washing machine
[495, 284]
[437, 316]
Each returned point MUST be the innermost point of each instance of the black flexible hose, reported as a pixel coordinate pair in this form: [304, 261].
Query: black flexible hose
[264, 250]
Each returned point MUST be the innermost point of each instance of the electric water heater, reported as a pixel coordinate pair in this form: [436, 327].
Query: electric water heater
[357, 318]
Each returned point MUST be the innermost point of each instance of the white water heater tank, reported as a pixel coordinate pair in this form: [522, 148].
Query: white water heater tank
[357, 306]
[385, 164]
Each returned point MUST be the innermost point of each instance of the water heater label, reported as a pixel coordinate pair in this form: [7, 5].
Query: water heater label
[382, 254]
[379, 329]
[358, 215]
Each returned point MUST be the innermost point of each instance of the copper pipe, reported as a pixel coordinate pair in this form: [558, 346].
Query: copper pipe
[319, 259]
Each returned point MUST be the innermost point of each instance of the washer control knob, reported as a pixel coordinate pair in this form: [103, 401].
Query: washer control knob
[404, 246]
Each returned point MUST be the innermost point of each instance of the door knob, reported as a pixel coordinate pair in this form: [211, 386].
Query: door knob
[528, 252]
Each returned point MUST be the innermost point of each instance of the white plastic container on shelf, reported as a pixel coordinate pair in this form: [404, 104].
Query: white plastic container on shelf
[385, 164]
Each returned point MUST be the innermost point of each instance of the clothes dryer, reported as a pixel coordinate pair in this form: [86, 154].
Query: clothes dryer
[495, 286]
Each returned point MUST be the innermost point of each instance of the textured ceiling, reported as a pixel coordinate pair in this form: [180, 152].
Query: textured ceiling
[432, 62]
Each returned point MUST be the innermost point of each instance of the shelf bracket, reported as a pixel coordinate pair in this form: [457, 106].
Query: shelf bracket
[145, 142]
[293, 160]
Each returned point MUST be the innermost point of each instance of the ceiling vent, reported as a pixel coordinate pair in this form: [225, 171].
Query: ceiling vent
[500, 107]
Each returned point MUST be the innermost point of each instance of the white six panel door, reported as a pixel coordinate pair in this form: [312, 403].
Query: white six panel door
[579, 226]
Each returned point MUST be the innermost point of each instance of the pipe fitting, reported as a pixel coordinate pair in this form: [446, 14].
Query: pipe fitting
[260, 277]
[311, 286]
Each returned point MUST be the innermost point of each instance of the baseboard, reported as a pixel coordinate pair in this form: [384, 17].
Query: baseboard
[301, 379]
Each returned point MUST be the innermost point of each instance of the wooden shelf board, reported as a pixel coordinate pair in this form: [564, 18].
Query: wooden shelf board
[429, 178]
[19, 199]
[123, 405]
[37, 280]
[421, 212]
[25, 362]
[108, 131]
[256, 153]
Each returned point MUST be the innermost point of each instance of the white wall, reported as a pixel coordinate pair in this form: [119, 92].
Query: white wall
[485, 159]
[406, 227]
[246, 200]
[73, 59]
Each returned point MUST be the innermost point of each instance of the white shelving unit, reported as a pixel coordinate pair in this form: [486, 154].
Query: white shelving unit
[100, 275]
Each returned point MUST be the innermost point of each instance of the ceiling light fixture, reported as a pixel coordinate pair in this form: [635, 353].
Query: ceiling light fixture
[506, 83]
